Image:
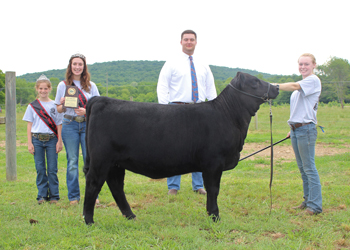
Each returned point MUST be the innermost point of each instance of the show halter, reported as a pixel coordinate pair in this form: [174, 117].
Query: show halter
[265, 97]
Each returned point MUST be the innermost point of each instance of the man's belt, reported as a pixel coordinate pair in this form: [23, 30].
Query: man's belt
[183, 102]
[297, 125]
[75, 118]
[43, 137]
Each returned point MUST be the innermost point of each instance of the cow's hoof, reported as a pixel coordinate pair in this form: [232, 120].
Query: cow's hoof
[88, 221]
[215, 218]
[130, 217]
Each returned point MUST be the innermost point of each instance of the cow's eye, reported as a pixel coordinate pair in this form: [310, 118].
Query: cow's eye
[255, 84]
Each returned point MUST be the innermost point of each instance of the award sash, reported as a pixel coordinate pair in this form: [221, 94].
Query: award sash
[44, 116]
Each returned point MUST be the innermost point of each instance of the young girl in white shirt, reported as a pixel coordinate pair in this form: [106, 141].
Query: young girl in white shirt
[44, 137]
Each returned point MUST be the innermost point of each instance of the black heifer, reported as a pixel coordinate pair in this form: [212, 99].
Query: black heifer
[160, 141]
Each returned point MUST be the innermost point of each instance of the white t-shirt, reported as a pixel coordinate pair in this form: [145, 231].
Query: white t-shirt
[61, 90]
[38, 125]
[304, 102]
[175, 83]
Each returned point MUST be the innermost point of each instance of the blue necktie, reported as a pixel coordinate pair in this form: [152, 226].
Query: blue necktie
[194, 82]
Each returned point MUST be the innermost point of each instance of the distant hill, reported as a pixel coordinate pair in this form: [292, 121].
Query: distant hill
[126, 72]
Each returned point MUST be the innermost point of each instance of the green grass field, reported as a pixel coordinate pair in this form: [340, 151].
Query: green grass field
[180, 222]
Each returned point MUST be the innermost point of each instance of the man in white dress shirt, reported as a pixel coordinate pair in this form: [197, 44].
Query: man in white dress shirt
[175, 87]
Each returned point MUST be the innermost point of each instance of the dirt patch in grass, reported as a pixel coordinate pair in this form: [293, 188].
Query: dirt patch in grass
[3, 144]
[286, 151]
[280, 151]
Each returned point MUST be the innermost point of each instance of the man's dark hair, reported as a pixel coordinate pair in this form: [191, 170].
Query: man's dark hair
[189, 32]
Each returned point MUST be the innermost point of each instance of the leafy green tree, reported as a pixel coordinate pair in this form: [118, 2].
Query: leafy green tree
[261, 77]
[54, 83]
[124, 94]
[25, 92]
[220, 85]
[336, 71]
[101, 89]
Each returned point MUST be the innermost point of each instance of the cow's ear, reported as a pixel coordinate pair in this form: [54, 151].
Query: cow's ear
[241, 79]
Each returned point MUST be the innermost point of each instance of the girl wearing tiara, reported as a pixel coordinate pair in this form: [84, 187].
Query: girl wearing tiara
[44, 137]
[73, 125]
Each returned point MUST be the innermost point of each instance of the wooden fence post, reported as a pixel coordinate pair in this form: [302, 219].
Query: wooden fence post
[256, 121]
[10, 102]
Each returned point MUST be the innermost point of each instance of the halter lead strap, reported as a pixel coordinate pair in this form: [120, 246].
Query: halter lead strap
[265, 98]
[271, 170]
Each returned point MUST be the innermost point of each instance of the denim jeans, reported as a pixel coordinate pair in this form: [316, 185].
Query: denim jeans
[303, 142]
[73, 134]
[46, 180]
[197, 181]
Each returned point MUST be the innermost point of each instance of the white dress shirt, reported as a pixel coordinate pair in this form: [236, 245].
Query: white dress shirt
[175, 83]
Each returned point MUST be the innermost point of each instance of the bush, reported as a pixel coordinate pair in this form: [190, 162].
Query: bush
[334, 104]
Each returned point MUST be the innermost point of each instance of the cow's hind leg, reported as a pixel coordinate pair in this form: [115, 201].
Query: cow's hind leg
[115, 181]
[94, 183]
[212, 185]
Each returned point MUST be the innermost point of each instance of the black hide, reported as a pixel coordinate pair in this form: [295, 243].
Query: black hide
[160, 141]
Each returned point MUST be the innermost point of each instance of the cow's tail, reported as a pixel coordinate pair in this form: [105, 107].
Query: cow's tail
[88, 112]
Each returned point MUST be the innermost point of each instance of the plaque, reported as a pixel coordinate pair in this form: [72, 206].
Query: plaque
[71, 97]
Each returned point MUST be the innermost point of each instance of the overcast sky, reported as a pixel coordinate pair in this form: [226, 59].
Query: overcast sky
[266, 36]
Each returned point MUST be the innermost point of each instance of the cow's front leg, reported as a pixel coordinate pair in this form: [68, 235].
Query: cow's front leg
[115, 181]
[212, 185]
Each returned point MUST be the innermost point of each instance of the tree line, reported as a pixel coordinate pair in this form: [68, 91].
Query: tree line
[137, 81]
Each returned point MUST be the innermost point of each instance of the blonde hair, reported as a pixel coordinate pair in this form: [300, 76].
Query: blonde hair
[41, 81]
[313, 59]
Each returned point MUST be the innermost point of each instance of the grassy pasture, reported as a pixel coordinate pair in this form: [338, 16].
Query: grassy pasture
[180, 222]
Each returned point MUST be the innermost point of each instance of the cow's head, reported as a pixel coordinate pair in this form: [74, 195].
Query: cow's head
[254, 87]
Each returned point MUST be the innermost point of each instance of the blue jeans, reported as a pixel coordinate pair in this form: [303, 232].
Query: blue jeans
[197, 181]
[46, 181]
[303, 142]
[73, 134]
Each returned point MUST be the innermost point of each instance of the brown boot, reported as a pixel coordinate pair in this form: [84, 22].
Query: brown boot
[200, 191]
[76, 202]
[301, 207]
[172, 192]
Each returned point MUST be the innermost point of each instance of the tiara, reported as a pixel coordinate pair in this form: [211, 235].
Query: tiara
[43, 78]
[78, 55]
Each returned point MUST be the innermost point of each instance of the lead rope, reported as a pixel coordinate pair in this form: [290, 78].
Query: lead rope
[271, 172]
